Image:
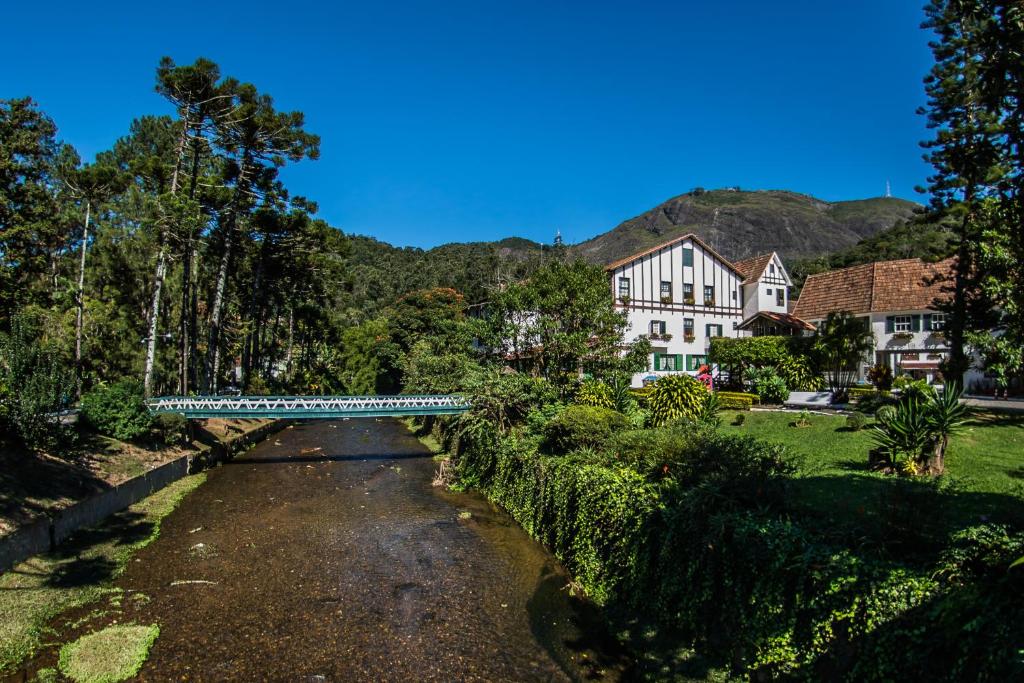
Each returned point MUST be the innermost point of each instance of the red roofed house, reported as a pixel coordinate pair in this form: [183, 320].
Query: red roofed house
[899, 300]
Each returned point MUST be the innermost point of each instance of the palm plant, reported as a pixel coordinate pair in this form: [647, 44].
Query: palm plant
[843, 341]
[945, 417]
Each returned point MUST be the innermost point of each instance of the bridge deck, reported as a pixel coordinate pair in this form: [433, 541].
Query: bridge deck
[308, 407]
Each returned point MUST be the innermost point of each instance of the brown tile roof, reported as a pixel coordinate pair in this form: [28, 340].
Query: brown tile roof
[689, 236]
[751, 268]
[904, 285]
[781, 318]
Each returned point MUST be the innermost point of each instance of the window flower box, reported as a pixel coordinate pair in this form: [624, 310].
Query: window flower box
[688, 301]
[655, 335]
[666, 337]
[903, 336]
[688, 338]
[709, 302]
[666, 299]
[624, 299]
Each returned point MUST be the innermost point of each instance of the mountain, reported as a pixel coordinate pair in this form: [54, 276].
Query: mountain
[740, 224]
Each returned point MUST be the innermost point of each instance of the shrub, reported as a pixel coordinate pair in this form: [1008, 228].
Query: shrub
[739, 419]
[736, 400]
[172, 427]
[797, 373]
[674, 397]
[873, 401]
[591, 392]
[856, 421]
[582, 427]
[880, 375]
[36, 384]
[117, 410]
[768, 385]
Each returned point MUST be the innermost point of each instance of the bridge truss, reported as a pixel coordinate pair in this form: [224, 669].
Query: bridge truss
[308, 407]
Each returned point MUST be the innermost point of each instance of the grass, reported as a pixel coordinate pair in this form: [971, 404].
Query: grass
[79, 572]
[113, 654]
[984, 478]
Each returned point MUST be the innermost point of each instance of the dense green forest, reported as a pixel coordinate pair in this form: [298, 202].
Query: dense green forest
[178, 256]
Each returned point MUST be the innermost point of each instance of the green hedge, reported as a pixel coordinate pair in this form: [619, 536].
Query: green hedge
[737, 400]
[712, 556]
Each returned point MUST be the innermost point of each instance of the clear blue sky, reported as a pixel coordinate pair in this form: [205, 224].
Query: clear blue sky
[448, 120]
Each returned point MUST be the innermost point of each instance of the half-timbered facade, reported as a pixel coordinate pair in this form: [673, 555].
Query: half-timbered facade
[681, 294]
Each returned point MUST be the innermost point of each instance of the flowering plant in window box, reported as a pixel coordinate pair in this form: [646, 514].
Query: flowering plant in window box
[903, 336]
[667, 336]
[709, 302]
[939, 334]
[655, 335]
[688, 301]
[688, 337]
[624, 299]
[666, 299]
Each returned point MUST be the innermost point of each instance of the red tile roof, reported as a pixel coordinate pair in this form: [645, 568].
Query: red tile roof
[904, 285]
[751, 268]
[780, 318]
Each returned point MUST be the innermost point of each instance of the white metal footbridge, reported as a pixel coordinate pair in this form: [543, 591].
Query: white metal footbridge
[308, 407]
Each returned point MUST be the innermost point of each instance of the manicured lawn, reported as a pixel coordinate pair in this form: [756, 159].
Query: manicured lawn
[984, 480]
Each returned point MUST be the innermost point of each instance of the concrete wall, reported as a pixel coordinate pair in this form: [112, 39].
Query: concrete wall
[46, 533]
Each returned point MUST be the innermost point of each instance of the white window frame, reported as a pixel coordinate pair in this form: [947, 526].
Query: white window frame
[668, 363]
[660, 324]
[623, 281]
[938, 322]
[780, 297]
[902, 323]
[666, 290]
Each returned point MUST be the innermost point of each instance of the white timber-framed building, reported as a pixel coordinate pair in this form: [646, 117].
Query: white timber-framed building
[682, 293]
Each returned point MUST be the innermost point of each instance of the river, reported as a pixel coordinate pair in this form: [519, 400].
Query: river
[325, 554]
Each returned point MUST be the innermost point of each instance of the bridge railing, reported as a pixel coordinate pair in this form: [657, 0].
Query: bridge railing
[309, 407]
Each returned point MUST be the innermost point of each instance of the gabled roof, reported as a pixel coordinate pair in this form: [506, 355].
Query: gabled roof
[781, 318]
[689, 236]
[751, 268]
[883, 286]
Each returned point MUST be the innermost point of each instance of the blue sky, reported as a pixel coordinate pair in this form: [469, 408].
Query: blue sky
[459, 121]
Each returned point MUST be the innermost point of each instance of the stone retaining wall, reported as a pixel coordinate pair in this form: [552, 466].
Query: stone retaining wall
[48, 532]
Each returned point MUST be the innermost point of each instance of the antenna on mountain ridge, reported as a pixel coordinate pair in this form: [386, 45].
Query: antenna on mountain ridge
[888, 189]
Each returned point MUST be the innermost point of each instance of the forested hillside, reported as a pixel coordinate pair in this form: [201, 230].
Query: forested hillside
[741, 224]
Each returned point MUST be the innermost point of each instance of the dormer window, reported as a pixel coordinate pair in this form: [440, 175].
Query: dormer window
[780, 297]
[771, 268]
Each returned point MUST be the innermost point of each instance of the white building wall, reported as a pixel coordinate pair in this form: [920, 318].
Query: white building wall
[644, 303]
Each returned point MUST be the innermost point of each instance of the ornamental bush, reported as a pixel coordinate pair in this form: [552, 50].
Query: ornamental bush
[675, 397]
[592, 392]
[767, 384]
[117, 410]
[856, 421]
[582, 427]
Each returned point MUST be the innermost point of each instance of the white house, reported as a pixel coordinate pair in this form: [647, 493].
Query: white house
[899, 300]
[682, 293]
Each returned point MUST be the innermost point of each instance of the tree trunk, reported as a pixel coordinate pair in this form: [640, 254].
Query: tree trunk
[937, 463]
[291, 343]
[216, 310]
[154, 316]
[80, 300]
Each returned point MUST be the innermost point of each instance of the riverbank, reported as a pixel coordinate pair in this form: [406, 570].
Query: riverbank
[39, 485]
[326, 552]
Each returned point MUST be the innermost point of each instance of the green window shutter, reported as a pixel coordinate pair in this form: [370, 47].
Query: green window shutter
[679, 361]
[687, 256]
[707, 330]
[890, 324]
[915, 323]
[690, 362]
[656, 357]
[927, 321]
